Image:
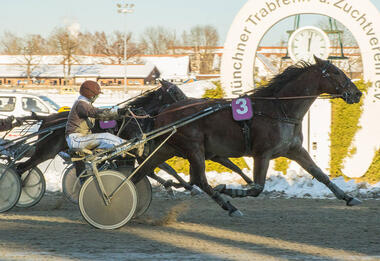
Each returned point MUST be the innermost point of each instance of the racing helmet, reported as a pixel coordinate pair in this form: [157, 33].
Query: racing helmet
[90, 90]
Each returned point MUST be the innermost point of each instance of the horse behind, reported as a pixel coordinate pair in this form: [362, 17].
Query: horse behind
[275, 131]
[150, 103]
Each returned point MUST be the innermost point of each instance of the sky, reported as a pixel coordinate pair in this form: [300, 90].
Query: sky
[23, 17]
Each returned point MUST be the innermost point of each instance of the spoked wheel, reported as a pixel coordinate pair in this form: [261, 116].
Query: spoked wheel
[122, 204]
[144, 192]
[10, 188]
[33, 188]
[71, 184]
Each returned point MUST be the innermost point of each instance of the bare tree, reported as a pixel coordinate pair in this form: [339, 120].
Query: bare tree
[10, 43]
[32, 47]
[87, 43]
[113, 45]
[346, 36]
[340, 39]
[203, 39]
[158, 40]
[66, 43]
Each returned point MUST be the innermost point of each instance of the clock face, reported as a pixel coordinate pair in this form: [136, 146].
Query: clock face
[306, 42]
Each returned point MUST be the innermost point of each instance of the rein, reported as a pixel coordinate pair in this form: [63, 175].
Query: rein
[328, 96]
[182, 107]
[134, 97]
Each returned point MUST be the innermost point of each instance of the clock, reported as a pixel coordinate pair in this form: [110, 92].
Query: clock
[308, 41]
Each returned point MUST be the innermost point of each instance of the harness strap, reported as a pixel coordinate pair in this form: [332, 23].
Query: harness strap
[187, 106]
[245, 127]
[287, 120]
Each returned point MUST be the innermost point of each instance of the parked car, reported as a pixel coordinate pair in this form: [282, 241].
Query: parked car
[19, 104]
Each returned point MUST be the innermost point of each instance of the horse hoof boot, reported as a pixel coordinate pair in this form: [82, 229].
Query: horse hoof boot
[236, 213]
[195, 190]
[353, 202]
[220, 188]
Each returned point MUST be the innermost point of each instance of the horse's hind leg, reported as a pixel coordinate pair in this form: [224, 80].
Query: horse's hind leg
[303, 158]
[197, 173]
[254, 188]
[232, 166]
[182, 183]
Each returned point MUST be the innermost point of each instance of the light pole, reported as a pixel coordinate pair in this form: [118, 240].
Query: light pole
[125, 8]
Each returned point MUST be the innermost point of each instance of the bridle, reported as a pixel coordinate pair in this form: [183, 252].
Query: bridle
[339, 86]
[171, 91]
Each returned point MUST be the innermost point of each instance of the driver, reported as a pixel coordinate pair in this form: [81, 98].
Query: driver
[82, 117]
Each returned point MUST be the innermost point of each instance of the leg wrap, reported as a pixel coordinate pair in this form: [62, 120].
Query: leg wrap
[252, 190]
[218, 199]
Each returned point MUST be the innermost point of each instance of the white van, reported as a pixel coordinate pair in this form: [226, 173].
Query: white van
[22, 104]
[19, 104]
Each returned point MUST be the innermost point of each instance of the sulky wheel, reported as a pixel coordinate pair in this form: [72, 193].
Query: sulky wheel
[144, 192]
[122, 204]
[71, 184]
[10, 188]
[33, 188]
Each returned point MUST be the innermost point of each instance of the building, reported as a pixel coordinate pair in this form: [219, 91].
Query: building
[51, 74]
[179, 67]
[173, 68]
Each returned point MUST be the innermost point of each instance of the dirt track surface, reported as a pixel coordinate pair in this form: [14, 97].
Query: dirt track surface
[197, 229]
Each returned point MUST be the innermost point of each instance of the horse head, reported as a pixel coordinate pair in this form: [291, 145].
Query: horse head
[174, 93]
[154, 100]
[151, 103]
[334, 81]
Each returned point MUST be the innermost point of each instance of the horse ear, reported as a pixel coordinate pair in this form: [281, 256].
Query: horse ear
[166, 83]
[163, 82]
[318, 61]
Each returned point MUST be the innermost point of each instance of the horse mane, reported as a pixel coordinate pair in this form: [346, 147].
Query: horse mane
[280, 80]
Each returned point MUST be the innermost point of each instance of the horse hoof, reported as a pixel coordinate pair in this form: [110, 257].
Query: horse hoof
[236, 213]
[353, 202]
[195, 190]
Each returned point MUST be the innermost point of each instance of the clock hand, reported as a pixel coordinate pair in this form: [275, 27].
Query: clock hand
[308, 46]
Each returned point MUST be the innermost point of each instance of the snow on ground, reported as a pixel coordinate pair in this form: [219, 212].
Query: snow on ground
[294, 184]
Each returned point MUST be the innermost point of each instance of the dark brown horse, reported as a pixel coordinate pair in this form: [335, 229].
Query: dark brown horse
[275, 131]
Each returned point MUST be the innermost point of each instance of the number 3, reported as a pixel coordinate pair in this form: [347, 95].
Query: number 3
[243, 106]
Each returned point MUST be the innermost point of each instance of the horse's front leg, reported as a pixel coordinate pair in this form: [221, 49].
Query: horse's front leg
[254, 188]
[302, 157]
[198, 176]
